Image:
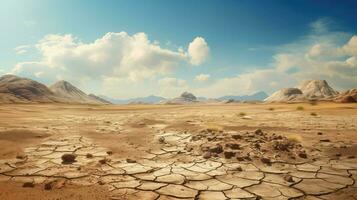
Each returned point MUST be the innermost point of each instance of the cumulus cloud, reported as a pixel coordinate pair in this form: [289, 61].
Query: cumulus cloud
[202, 77]
[198, 51]
[322, 54]
[130, 58]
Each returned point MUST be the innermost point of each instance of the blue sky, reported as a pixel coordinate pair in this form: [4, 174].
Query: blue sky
[241, 47]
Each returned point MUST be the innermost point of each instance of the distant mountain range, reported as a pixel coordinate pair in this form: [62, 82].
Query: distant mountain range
[14, 89]
[258, 96]
[152, 99]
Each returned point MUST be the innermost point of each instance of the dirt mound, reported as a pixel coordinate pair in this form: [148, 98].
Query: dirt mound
[14, 89]
[248, 146]
[285, 95]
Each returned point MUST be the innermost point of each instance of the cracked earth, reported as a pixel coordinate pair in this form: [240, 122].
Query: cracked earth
[179, 159]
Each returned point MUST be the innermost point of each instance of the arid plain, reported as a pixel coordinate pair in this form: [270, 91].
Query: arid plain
[218, 151]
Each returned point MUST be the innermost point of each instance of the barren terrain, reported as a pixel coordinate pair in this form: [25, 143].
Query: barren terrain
[227, 151]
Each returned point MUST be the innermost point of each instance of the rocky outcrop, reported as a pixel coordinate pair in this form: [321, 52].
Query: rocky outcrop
[310, 90]
[349, 96]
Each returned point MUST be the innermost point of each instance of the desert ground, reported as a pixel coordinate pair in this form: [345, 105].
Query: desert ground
[226, 151]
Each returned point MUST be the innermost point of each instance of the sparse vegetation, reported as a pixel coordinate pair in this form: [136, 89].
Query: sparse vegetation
[242, 114]
[300, 108]
[271, 109]
[313, 114]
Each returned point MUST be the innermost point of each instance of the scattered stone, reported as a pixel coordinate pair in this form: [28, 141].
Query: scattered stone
[89, 155]
[207, 155]
[237, 137]
[68, 158]
[161, 140]
[48, 186]
[128, 160]
[289, 178]
[302, 155]
[266, 161]
[258, 132]
[239, 168]
[233, 146]
[325, 140]
[104, 161]
[319, 133]
[21, 156]
[229, 154]
[28, 185]
[217, 149]
[109, 152]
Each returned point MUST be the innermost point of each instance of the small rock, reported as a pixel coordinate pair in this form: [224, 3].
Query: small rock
[233, 146]
[239, 168]
[207, 155]
[236, 137]
[239, 158]
[266, 161]
[302, 155]
[325, 140]
[229, 154]
[319, 133]
[28, 184]
[217, 149]
[258, 132]
[68, 158]
[109, 152]
[88, 155]
[351, 157]
[128, 160]
[104, 161]
[48, 186]
[161, 140]
[289, 178]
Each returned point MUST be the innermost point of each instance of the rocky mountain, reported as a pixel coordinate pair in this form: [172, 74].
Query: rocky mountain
[306, 91]
[349, 96]
[317, 89]
[14, 89]
[258, 96]
[71, 94]
[152, 99]
[184, 98]
[286, 95]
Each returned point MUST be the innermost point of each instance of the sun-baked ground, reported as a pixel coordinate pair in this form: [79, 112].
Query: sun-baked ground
[231, 151]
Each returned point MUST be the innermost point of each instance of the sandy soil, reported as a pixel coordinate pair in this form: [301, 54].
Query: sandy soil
[31, 133]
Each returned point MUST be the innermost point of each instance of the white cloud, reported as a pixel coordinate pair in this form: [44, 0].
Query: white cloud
[320, 55]
[130, 58]
[21, 49]
[202, 77]
[198, 51]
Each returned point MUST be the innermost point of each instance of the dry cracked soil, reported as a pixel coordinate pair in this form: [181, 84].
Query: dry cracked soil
[233, 151]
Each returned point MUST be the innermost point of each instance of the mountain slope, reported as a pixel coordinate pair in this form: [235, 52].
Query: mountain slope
[286, 95]
[14, 89]
[349, 96]
[71, 94]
